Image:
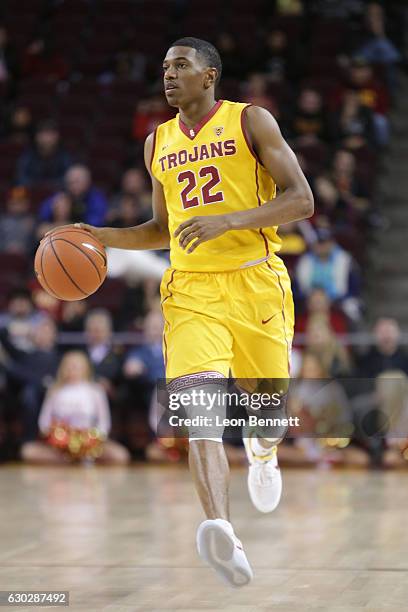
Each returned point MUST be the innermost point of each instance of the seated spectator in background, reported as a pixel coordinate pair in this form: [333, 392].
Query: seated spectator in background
[234, 64]
[149, 113]
[309, 122]
[19, 125]
[340, 194]
[75, 403]
[296, 237]
[128, 213]
[256, 93]
[352, 125]
[387, 354]
[377, 48]
[73, 316]
[9, 65]
[16, 323]
[46, 161]
[104, 358]
[33, 371]
[88, 203]
[322, 342]
[61, 211]
[329, 267]
[325, 416]
[146, 361]
[133, 184]
[42, 61]
[319, 306]
[16, 223]
[370, 93]
[279, 58]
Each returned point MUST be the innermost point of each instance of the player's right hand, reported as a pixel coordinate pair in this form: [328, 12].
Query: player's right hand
[95, 231]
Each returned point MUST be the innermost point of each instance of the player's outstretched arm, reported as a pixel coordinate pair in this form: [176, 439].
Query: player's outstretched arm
[153, 234]
[294, 202]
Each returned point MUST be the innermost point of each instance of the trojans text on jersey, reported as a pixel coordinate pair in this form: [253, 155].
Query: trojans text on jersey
[198, 153]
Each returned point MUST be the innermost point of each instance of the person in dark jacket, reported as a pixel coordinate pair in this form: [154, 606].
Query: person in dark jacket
[32, 371]
[46, 161]
[387, 353]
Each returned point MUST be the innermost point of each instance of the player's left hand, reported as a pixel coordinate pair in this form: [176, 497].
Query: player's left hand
[201, 229]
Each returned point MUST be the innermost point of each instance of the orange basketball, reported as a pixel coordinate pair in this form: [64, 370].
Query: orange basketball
[70, 264]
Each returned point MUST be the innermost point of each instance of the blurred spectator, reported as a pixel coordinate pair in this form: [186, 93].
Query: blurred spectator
[371, 93]
[325, 416]
[319, 307]
[128, 213]
[142, 368]
[19, 125]
[88, 203]
[296, 237]
[322, 342]
[133, 184]
[9, 66]
[61, 211]
[73, 316]
[256, 93]
[309, 123]
[104, 357]
[343, 197]
[289, 7]
[76, 402]
[378, 49]
[331, 268]
[46, 161]
[16, 223]
[387, 353]
[33, 370]
[334, 9]
[146, 361]
[352, 125]
[234, 64]
[17, 322]
[125, 64]
[149, 114]
[134, 266]
[41, 60]
[279, 58]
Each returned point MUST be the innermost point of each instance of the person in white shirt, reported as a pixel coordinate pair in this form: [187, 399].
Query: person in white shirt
[74, 401]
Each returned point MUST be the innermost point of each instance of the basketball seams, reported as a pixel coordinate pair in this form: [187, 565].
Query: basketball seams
[83, 252]
[64, 269]
[47, 244]
[101, 248]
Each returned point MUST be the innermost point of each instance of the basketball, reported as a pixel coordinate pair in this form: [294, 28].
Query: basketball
[70, 264]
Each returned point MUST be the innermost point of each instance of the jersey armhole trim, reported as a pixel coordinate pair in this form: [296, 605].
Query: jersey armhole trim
[246, 135]
[153, 149]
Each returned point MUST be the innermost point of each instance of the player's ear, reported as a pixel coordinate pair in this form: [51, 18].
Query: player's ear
[210, 77]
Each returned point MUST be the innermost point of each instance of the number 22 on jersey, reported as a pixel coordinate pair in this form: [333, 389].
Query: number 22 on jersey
[208, 192]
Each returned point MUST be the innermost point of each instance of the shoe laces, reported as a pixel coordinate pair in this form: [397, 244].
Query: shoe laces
[265, 473]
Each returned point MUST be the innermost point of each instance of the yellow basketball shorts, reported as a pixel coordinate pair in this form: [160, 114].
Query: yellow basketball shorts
[238, 322]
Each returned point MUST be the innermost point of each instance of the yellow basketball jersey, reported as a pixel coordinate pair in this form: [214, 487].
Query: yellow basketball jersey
[211, 170]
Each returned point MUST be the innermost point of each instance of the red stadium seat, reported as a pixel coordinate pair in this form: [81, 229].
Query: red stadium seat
[12, 264]
[38, 194]
[109, 295]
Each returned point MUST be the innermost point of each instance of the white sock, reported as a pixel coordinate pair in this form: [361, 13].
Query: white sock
[258, 449]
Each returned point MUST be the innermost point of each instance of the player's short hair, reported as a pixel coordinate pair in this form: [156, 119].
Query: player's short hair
[207, 51]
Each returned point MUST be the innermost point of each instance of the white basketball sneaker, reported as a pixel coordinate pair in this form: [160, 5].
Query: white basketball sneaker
[219, 547]
[264, 476]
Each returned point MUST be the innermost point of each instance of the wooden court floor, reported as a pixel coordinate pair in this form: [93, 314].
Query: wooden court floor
[123, 540]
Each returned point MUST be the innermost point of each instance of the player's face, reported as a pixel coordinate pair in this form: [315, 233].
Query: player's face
[185, 77]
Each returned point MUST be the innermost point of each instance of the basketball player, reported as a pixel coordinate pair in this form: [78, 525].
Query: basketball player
[226, 297]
